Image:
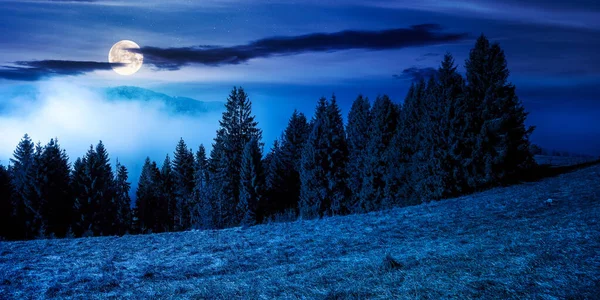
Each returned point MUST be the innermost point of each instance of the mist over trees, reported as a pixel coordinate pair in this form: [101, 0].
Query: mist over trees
[450, 136]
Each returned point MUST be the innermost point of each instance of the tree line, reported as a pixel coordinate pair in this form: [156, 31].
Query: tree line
[452, 135]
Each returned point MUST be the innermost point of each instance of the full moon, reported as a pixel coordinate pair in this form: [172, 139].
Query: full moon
[131, 61]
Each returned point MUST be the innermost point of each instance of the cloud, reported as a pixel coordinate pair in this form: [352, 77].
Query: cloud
[39, 69]
[416, 74]
[80, 116]
[210, 55]
[417, 35]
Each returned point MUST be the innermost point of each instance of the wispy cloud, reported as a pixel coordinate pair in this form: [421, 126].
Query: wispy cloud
[417, 35]
[39, 69]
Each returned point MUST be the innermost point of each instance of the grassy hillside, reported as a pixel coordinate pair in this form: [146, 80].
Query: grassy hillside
[503, 243]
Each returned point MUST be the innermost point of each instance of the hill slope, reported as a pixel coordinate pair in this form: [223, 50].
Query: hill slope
[503, 243]
[179, 105]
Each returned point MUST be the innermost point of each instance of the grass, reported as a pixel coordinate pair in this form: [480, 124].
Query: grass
[504, 243]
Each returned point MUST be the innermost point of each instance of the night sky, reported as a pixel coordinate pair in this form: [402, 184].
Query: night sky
[286, 54]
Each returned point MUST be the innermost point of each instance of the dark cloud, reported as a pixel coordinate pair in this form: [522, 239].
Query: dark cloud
[416, 74]
[417, 35]
[38, 69]
[174, 58]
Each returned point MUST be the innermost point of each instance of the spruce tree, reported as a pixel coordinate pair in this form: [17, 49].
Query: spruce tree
[6, 207]
[203, 209]
[251, 183]
[183, 172]
[359, 119]
[275, 184]
[496, 131]
[314, 164]
[238, 127]
[428, 174]
[104, 198]
[23, 172]
[144, 197]
[79, 179]
[453, 123]
[167, 195]
[217, 166]
[337, 158]
[292, 142]
[148, 200]
[384, 120]
[55, 195]
[123, 201]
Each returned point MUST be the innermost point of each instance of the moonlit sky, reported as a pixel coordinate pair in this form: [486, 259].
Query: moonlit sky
[551, 50]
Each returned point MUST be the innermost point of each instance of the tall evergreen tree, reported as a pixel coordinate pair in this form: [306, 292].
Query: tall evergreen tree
[398, 184]
[167, 195]
[384, 120]
[238, 127]
[428, 174]
[337, 157]
[23, 172]
[203, 210]
[323, 167]
[292, 142]
[183, 172]
[6, 208]
[217, 166]
[451, 95]
[55, 195]
[123, 201]
[359, 119]
[148, 199]
[275, 184]
[81, 205]
[104, 198]
[252, 183]
[314, 164]
[498, 135]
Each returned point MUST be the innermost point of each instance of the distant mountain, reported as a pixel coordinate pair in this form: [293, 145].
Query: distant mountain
[179, 105]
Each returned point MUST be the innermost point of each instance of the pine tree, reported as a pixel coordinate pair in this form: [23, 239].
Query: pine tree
[275, 184]
[251, 183]
[23, 172]
[288, 163]
[144, 197]
[203, 210]
[428, 173]
[314, 164]
[496, 130]
[357, 130]
[6, 208]
[167, 195]
[238, 127]
[323, 166]
[55, 195]
[217, 171]
[80, 212]
[94, 192]
[183, 174]
[451, 95]
[148, 202]
[337, 158]
[105, 202]
[123, 201]
[384, 121]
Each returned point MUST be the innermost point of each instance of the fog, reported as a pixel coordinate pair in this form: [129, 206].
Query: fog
[80, 116]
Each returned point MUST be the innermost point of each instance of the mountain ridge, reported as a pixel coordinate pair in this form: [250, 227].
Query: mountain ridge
[181, 105]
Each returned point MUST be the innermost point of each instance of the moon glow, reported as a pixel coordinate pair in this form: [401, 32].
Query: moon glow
[119, 53]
